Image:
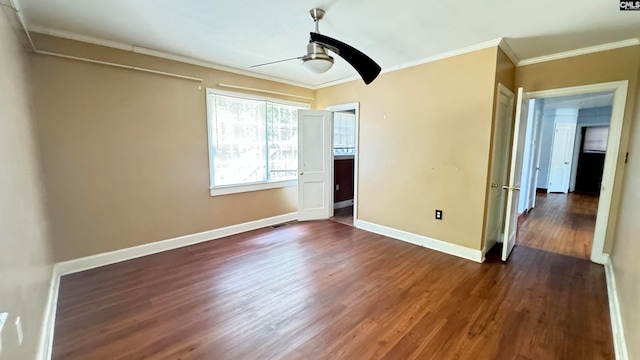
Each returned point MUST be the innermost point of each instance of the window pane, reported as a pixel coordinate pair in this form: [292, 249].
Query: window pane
[595, 138]
[344, 133]
[239, 141]
[282, 139]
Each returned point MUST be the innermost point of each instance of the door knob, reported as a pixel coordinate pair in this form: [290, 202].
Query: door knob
[514, 188]
[301, 172]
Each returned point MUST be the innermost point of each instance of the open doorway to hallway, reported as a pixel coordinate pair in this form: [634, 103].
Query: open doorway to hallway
[563, 162]
[344, 162]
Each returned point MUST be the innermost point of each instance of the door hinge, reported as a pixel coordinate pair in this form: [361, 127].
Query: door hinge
[626, 158]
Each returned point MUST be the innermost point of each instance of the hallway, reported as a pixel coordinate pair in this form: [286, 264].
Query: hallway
[561, 224]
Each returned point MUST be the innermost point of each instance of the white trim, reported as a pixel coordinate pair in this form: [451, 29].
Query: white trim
[77, 58]
[611, 158]
[617, 329]
[48, 322]
[578, 52]
[112, 257]
[424, 241]
[343, 204]
[160, 54]
[342, 107]
[234, 189]
[504, 45]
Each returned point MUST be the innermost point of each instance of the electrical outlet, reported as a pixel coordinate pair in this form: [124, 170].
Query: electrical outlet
[438, 214]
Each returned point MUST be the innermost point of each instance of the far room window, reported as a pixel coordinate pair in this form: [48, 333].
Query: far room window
[595, 139]
[344, 132]
[253, 142]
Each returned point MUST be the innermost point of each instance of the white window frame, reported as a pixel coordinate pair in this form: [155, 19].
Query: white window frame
[261, 185]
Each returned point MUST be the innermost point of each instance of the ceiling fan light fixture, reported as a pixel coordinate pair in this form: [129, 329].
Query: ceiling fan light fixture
[317, 61]
[317, 64]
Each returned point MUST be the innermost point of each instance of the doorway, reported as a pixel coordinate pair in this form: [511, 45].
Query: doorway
[556, 161]
[547, 170]
[344, 154]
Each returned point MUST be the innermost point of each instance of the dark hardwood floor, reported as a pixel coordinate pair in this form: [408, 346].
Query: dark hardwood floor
[323, 290]
[561, 224]
[343, 215]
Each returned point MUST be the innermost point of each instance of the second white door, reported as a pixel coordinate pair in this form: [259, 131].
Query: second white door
[561, 158]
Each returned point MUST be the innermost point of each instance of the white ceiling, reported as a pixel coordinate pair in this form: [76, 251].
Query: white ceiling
[241, 33]
[582, 101]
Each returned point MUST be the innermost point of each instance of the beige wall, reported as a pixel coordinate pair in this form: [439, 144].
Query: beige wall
[626, 247]
[125, 153]
[424, 145]
[606, 66]
[25, 255]
[505, 71]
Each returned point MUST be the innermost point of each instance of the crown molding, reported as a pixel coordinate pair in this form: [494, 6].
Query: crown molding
[504, 45]
[160, 54]
[581, 51]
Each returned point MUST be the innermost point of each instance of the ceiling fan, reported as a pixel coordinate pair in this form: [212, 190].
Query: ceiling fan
[317, 60]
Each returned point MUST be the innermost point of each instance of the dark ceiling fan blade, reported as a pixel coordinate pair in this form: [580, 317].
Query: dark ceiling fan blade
[364, 65]
[277, 61]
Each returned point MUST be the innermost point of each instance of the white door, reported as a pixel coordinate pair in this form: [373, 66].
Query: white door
[499, 165]
[536, 159]
[561, 156]
[315, 169]
[515, 174]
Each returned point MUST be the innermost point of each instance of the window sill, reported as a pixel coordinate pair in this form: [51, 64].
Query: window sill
[233, 189]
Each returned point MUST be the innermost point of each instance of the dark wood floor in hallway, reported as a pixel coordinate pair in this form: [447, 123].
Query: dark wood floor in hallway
[561, 224]
[323, 290]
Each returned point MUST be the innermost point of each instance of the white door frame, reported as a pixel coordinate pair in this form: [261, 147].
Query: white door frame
[343, 107]
[501, 92]
[611, 158]
[535, 164]
[576, 152]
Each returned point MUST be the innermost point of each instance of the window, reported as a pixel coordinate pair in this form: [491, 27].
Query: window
[344, 132]
[595, 139]
[253, 142]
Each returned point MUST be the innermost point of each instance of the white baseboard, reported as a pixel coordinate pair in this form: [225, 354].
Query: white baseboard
[343, 204]
[112, 257]
[619, 341]
[433, 244]
[48, 322]
[600, 258]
